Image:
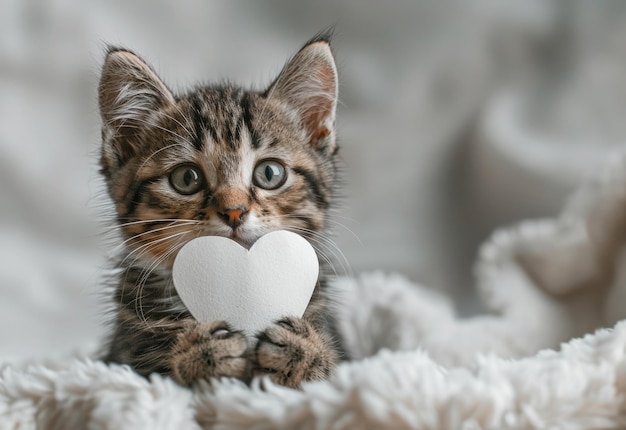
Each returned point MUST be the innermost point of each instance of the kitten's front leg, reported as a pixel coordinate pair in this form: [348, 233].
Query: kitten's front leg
[293, 351]
[209, 349]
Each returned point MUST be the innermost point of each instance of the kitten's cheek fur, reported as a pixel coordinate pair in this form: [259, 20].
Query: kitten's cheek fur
[201, 353]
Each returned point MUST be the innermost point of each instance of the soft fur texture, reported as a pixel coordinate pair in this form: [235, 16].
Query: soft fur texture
[581, 387]
[543, 283]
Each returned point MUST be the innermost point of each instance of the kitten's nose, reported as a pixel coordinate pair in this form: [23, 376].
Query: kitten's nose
[233, 216]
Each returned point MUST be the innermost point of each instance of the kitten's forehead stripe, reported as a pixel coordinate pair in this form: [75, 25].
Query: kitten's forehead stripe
[226, 114]
[201, 122]
[229, 117]
[247, 120]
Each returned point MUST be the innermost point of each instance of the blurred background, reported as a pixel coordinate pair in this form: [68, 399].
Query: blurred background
[456, 118]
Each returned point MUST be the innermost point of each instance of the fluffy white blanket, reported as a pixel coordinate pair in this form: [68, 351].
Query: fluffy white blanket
[416, 365]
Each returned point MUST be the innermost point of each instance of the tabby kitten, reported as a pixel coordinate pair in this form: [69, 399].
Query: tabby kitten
[224, 161]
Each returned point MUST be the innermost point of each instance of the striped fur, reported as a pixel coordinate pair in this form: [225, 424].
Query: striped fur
[224, 131]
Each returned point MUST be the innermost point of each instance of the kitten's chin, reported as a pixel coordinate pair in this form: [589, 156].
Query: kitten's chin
[242, 239]
[243, 236]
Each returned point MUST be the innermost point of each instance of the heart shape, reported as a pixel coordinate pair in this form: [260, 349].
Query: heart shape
[218, 279]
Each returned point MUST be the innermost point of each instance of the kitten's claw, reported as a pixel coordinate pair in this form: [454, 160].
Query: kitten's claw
[209, 349]
[292, 351]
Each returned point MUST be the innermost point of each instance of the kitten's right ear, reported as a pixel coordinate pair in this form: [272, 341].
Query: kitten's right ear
[129, 93]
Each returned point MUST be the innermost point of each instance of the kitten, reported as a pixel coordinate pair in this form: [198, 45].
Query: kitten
[225, 161]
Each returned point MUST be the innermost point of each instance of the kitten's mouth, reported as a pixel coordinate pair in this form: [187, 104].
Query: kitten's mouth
[246, 243]
[242, 237]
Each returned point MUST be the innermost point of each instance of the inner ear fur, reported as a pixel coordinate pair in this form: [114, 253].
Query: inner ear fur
[309, 84]
[129, 93]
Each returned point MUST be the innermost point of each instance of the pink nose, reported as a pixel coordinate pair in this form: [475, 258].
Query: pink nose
[233, 216]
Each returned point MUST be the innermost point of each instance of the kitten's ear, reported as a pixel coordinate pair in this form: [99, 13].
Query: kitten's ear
[308, 84]
[128, 94]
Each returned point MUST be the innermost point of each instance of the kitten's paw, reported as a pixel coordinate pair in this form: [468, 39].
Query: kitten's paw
[292, 351]
[209, 349]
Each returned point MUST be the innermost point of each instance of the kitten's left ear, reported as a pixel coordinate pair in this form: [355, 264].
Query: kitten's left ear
[308, 84]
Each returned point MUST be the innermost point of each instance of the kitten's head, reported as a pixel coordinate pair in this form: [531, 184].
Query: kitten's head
[218, 160]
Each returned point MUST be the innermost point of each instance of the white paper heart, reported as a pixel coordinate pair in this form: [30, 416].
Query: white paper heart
[218, 279]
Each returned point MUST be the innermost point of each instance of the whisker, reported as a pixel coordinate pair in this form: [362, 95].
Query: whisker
[329, 246]
[177, 121]
[149, 232]
[329, 220]
[146, 274]
[147, 271]
[143, 249]
[126, 224]
[148, 124]
[346, 228]
[323, 245]
[158, 151]
[326, 259]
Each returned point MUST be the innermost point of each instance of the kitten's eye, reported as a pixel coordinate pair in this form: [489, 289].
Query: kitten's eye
[270, 174]
[187, 179]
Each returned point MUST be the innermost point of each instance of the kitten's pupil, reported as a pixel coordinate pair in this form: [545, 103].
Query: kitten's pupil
[190, 177]
[269, 173]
